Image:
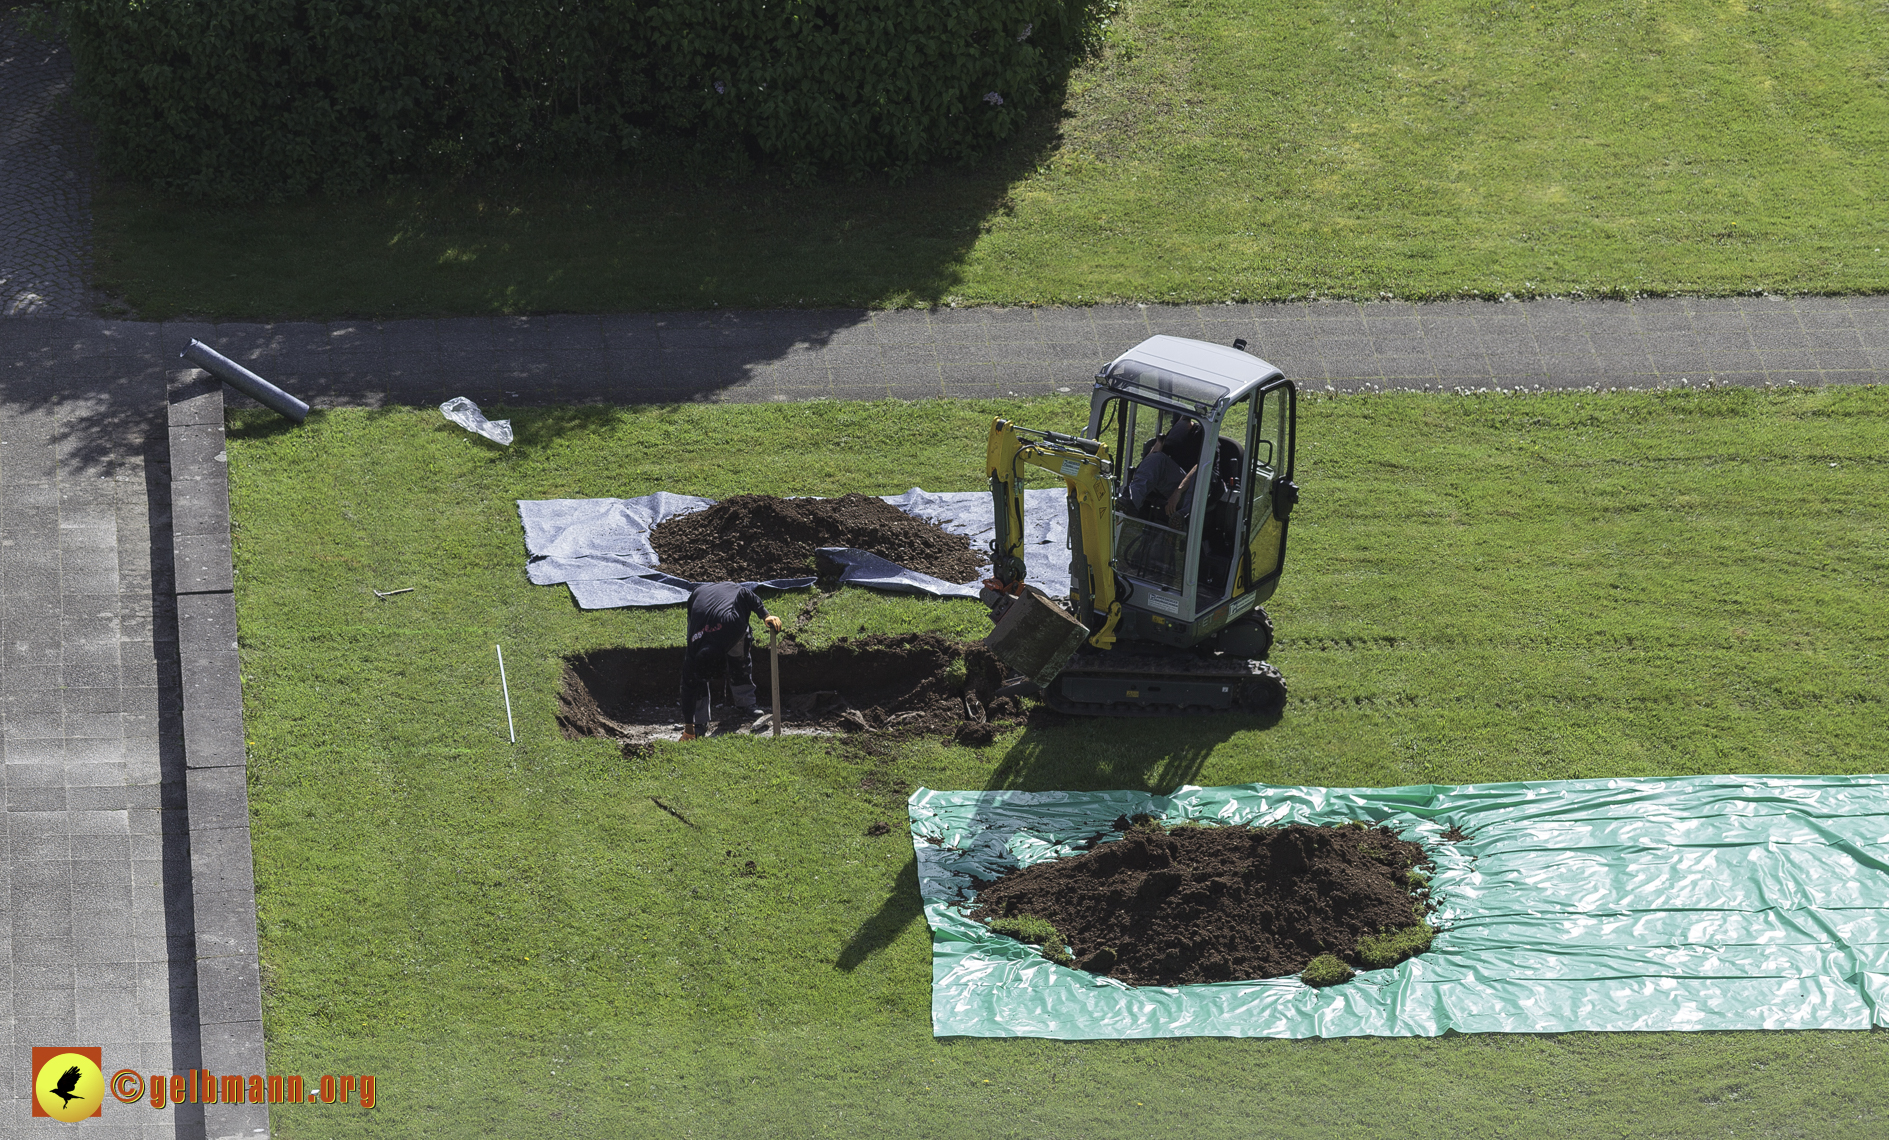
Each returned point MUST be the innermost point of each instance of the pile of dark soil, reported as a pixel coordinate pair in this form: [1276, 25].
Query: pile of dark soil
[910, 685]
[755, 538]
[1218, 904]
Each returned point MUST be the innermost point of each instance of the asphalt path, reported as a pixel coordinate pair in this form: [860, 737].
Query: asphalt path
[913, 354]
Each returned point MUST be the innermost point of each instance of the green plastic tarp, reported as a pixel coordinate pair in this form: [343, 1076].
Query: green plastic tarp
[1704, 902]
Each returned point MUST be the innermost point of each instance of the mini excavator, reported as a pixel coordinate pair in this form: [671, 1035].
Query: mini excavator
[1165, 614]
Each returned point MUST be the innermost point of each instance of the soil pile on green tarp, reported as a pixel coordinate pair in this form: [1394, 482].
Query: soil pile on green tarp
[911, 684]
[1218, 904]
[756, 538]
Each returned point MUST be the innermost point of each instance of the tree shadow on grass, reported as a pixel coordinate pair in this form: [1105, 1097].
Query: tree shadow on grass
[664, 234]
[753, 291]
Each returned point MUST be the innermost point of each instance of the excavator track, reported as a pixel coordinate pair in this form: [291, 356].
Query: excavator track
[1121, 683]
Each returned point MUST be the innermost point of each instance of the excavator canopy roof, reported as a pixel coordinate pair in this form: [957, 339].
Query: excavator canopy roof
[1193, 372]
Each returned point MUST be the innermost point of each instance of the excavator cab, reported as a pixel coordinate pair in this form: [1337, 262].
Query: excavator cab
[1184, 576]
[1173, 549]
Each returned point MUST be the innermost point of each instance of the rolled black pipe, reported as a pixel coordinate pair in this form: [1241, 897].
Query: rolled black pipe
[244, 381]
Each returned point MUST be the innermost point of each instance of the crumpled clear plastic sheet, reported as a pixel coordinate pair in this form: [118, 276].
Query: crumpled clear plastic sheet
[600, 547]
[467, 415]
[1694, 903]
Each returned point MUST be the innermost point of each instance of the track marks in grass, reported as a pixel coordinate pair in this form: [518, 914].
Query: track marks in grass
[1587, 641]
[1792, 702]
[1338, 644]
[1357, 701]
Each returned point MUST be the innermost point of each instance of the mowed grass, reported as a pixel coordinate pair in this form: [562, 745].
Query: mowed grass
[1213, 150]
[518, 942]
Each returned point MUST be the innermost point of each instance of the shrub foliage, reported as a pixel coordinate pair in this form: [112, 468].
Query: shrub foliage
[245, 99]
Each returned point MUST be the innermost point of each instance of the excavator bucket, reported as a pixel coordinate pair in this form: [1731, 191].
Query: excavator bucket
[1036, 637]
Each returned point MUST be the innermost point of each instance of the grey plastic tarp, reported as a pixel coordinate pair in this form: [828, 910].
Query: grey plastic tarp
[600, 547]
[1705, 902]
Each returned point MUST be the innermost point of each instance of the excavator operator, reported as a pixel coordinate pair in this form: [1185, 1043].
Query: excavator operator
[1162, 483]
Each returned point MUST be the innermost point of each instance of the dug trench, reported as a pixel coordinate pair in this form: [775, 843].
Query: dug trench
[883, 686]
[1163, 906]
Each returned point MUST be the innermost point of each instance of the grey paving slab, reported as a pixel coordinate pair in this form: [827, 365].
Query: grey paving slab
[214, 738]
[220, 860]
[225, 922]
[203, 563]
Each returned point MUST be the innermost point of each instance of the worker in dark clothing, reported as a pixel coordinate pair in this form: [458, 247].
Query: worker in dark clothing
[719, 642]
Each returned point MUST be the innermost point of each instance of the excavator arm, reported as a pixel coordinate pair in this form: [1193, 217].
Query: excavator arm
[1084, 467]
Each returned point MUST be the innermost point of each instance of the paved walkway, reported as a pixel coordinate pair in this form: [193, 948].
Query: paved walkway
[97, 876]
[917, 354]
[45, 201]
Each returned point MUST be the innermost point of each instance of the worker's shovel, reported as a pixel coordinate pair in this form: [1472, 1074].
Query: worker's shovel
[774, 675]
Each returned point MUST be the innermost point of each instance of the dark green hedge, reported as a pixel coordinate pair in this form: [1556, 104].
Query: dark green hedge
[247, 99]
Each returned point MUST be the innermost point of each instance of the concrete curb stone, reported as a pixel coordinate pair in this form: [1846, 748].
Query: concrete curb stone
[222, 864]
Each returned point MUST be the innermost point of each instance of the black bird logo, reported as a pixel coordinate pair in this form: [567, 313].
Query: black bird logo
[68, 1081]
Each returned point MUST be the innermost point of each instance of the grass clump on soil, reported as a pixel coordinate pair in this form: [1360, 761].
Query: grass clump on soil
[1478, 589]
[1028, 928]
[1326, 970]
[1420, 148]
[1385, 949]
[1216, 904]
[751, 538]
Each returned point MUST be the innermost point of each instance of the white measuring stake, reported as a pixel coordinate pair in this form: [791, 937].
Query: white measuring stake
[508, 695]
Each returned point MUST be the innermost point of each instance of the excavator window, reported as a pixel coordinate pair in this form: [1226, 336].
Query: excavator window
[1153, 548]
[1145, 548]
[1234, 424]
[1148, 423]
[1272, 448]
[1119, 430]
[1138, 425]
[1111, 413]
[1269, 445]
[1221, 536]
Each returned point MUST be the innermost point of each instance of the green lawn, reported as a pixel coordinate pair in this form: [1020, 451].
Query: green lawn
[1343, 148]
[517, 942]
